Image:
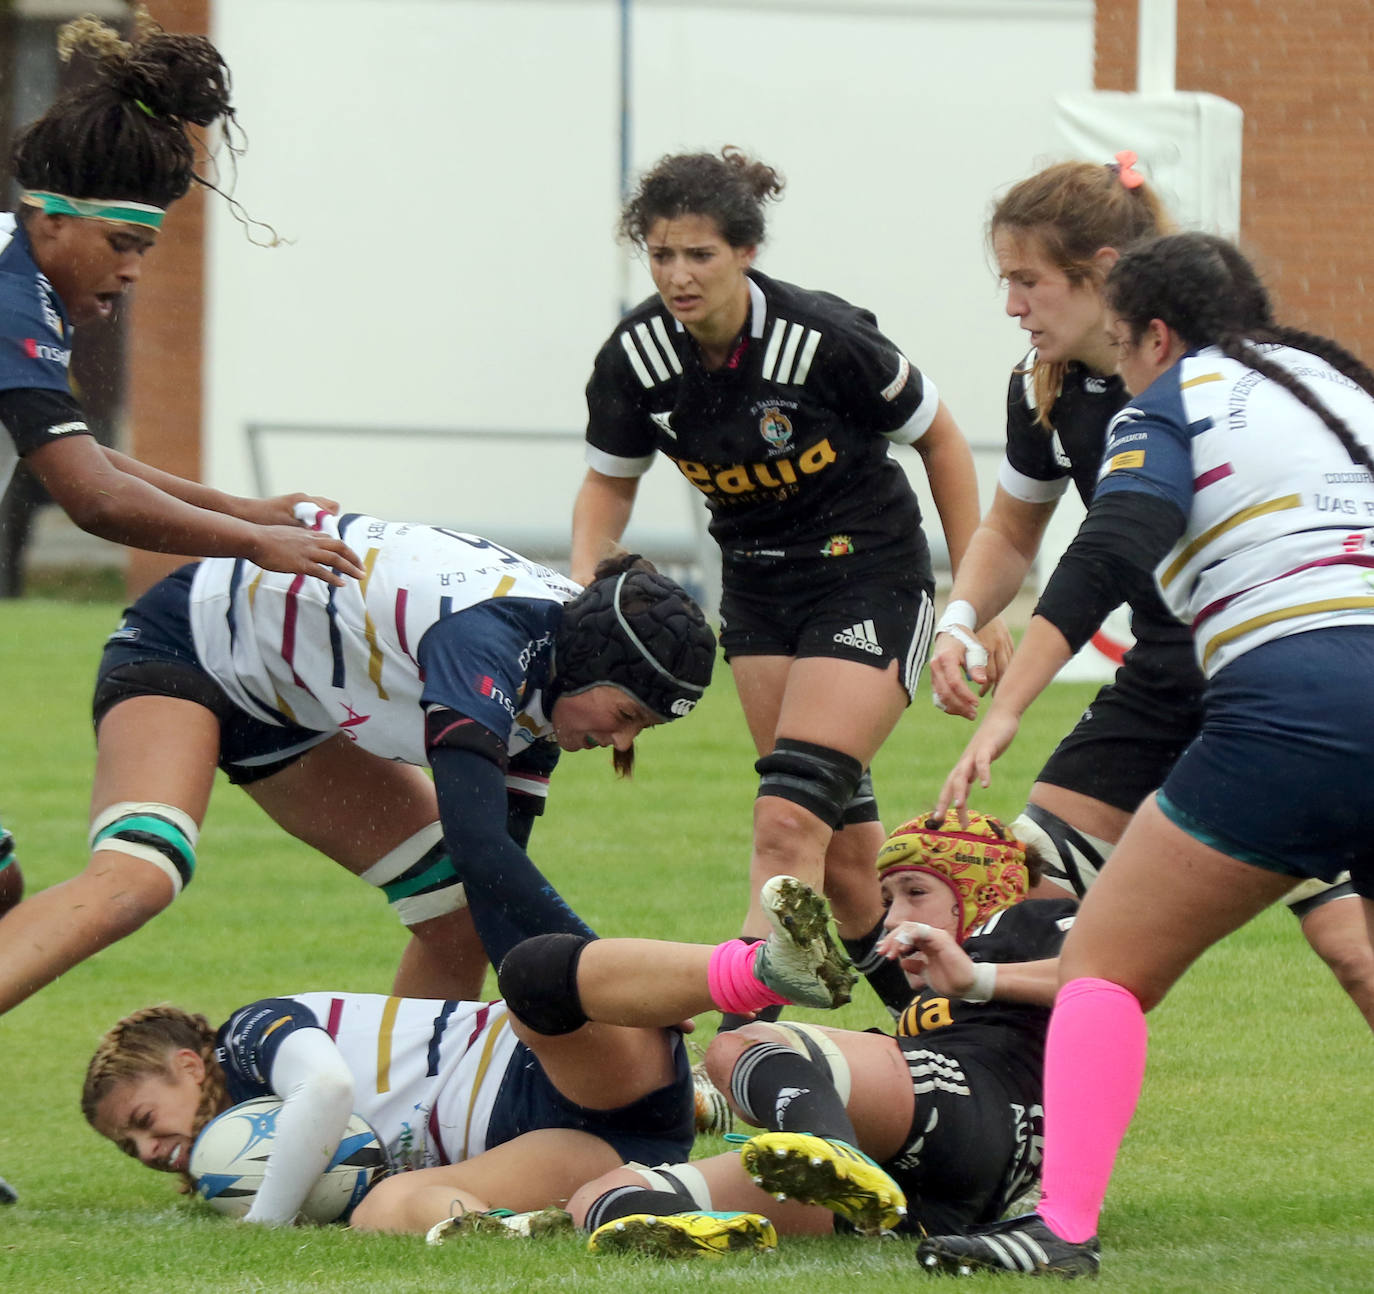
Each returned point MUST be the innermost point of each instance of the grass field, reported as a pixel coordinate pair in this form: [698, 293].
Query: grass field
[1247, 1169]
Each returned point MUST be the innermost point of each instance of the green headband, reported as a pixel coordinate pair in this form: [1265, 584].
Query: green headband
[127, 213]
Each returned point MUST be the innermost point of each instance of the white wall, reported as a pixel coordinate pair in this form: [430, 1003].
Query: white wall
[448, 170]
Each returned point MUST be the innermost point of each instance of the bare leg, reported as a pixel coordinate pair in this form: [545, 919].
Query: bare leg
[538, 1170]
[840, 704]
[1337, 933]
[150, 750]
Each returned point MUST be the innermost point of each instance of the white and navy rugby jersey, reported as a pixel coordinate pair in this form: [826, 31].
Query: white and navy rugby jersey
[425, 1072]
[35, 340]
[1040, 463]
[1279, 537]
[788, 441]
[440, 619]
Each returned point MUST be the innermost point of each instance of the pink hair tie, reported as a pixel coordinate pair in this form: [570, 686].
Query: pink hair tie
[1125, 169]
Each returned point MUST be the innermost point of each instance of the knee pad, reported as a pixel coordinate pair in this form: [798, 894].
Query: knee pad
[418, 878]
[1065, 854]
[160, 834]
[686, 1182]
[538, 980]
[820, 779]
[863, 804]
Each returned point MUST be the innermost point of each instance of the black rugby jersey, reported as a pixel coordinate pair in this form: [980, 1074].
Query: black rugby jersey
[787, 441]
[1006, 1037]
[1038, 460]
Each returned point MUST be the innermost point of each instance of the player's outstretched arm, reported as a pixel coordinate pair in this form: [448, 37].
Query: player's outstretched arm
[95, 490]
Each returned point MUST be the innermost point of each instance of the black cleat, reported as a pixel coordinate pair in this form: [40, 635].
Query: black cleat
[8, 1194]
[1025, 1245]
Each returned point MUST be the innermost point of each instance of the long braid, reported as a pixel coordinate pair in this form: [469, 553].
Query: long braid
[1207, 292]
[142, 1044]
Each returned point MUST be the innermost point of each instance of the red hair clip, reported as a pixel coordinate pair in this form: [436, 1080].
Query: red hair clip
[1125, 169]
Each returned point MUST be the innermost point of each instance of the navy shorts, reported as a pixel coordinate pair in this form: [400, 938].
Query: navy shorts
[1277, 776]
[1135, 730]
[152, 653]
[871, 616]
[656, 1129]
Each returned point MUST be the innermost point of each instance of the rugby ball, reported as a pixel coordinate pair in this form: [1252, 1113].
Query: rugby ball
[229, 1159]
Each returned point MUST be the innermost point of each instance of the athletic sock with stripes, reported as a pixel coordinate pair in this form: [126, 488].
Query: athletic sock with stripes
[784, 1091]
[625, 1201]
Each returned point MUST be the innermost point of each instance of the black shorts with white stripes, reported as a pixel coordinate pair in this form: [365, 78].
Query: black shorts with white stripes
[973, 1146]
[871, 616]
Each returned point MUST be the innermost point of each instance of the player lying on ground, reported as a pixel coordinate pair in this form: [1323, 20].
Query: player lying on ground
[325, 703]
[494, 1104]
[949, 1109]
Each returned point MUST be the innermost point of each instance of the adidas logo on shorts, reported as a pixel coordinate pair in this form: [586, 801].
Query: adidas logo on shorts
[862, 636]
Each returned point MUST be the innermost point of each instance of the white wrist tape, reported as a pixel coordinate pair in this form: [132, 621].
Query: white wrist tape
[959, 613]
[984, 982]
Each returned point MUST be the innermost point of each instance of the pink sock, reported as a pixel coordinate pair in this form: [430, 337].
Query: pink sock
[1094, 1065]
[730, 977]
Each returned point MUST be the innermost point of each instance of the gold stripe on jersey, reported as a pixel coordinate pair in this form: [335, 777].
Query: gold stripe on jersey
[253, 588]
[283, 707]
[1200, 380]
[1283, 613]
[374, 653]
[503, 586]
[1282, 504]
[483, 1064]
[384, 1035]
[274, 1026]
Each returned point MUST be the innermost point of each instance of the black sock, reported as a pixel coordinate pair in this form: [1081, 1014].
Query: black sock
[622, 1201]
[884, 976]
[784, 1091]
[765, 1015]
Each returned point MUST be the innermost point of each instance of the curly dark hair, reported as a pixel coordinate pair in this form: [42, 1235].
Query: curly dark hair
[1203, 287]
[730, 188]
[123, 134]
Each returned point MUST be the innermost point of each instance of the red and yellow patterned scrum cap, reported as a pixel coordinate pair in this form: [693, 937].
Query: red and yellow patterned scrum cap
[984, 864]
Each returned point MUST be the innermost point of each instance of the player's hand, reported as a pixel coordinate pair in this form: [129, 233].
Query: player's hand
[298, 551]
[996, 640]
[280, 511]
[997, 731]
[952, 666]
[931, 954]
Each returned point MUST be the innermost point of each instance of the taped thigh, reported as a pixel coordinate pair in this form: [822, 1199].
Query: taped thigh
[418, 878]
[818, 778]
[1065, 854]
[1314, 893]
[160, 834]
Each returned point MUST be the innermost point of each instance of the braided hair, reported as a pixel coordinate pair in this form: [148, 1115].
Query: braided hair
[730, 189]
[1207, 292]
[1069, 212]
[123, 134]
[142, 1044]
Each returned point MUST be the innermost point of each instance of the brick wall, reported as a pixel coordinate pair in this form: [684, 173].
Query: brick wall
[1303, 73]
[165, 353]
